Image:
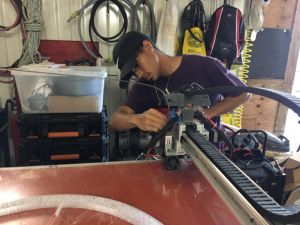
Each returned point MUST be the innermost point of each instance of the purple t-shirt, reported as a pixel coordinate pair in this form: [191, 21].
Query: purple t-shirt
[205, 71]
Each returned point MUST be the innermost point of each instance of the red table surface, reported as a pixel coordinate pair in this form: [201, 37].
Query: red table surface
[180, 196]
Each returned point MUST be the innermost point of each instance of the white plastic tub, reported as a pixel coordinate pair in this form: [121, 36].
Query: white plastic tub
[60, 90]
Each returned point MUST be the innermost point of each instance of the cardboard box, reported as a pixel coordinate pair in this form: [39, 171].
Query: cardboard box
[288, 187]
[292, 169]
[69, 104]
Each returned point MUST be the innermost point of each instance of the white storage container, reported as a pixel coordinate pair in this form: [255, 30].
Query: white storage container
[45, 89]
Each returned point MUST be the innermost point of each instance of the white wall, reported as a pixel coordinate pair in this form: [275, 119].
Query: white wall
[10, 45]
[291, 126]
[55, 15]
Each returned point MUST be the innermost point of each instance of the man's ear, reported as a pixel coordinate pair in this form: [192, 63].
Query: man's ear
[148, 45]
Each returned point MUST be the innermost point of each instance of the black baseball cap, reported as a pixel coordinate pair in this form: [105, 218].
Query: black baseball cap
[125, 53]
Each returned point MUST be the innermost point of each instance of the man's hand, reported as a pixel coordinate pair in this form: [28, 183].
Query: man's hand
[125, 118]
[151, 120]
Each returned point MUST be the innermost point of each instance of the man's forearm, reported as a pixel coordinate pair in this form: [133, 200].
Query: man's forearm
[228, 104]
[125, 118]
[122, 121]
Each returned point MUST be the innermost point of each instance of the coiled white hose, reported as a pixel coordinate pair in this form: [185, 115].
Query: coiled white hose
[112, 207]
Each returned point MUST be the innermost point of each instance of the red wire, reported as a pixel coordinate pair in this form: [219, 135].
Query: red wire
[236, 150]
[211, 122]
[248, 154]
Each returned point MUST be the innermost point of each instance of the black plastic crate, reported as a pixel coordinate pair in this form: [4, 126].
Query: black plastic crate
[55, 125]
[35, 151]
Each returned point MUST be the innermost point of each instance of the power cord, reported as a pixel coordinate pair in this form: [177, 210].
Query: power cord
[92, 27]
[153, 29]
[95, 54]
[17, 20]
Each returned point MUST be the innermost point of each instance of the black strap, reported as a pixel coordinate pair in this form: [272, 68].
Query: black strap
[193, 16]
[194, 36]
[229, 63]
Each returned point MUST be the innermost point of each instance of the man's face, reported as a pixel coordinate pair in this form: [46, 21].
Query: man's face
[147, 63]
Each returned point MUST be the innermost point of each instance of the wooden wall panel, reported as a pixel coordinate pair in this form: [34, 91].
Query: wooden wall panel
[260, 112]
[282, 14]
[279, 14]
[290, 70]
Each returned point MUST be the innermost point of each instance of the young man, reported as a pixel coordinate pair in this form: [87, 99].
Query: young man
[136, 55]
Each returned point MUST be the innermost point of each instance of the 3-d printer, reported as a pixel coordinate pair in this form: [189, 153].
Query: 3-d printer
[186, 135]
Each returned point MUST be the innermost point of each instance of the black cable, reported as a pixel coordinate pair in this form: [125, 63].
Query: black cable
[200, 116]
[16, 4]
[92, 27]
[123, 29]
[264, 141]
[246, 141]
[160, 134]
[129, 7]
[153, 30]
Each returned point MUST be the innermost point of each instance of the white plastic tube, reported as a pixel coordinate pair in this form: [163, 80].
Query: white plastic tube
[118, 209]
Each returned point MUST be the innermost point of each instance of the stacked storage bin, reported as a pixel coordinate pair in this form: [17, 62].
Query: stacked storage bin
[63, 119]
[61, 138]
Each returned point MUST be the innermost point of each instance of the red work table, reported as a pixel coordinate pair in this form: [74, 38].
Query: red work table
[181, 196]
